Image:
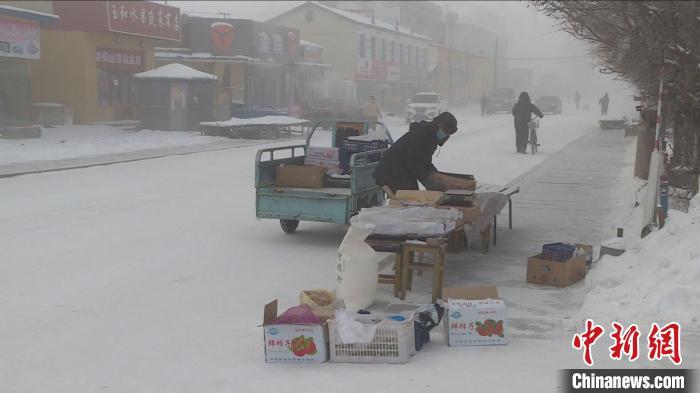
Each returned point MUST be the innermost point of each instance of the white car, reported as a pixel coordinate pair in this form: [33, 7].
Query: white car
[425, 106]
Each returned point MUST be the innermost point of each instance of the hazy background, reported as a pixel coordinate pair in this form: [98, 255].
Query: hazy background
[533, 40]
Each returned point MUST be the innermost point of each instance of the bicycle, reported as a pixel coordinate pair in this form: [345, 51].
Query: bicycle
[533, 125]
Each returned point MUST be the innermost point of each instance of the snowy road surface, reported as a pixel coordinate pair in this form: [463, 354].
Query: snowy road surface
[151, 276]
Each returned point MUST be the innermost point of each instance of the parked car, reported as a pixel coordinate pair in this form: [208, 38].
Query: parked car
[549, 104]
[425, 106]
[501, 100]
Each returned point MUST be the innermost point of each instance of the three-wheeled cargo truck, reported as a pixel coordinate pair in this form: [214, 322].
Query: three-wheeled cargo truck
[341, 196]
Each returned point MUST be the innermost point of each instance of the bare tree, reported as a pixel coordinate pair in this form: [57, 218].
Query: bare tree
[640, 41]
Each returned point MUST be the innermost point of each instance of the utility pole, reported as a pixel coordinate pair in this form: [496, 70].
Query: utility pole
[495, 65]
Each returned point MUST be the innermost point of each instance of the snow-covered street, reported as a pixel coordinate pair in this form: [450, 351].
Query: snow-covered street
[152, 275]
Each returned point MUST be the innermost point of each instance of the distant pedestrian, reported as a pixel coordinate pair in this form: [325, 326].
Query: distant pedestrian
[484, 104]
[604, 102]
[372, 113]
[577, 99]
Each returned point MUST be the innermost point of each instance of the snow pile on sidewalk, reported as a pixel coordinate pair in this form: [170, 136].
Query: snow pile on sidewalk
[656, 280]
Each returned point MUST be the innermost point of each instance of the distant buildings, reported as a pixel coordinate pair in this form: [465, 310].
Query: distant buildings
[369, 56]
[83, 55]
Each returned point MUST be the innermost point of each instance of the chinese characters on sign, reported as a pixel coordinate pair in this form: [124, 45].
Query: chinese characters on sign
[144, 18]
[661, 342]
[119, 59]
[19, 39]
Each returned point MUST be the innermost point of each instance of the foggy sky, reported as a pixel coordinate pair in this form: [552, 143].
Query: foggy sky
[530, 34]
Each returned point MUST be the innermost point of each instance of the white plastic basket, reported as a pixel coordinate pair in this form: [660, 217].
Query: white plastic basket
[394, 342]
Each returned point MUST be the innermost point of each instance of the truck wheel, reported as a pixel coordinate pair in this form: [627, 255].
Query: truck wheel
[289, 226]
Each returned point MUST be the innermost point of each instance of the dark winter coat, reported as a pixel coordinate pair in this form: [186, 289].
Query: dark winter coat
[523, 110]
[409, 159]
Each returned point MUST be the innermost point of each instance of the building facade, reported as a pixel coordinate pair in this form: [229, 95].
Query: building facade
[369, 57]
[21, 48]
[256, 63]
[91, 54]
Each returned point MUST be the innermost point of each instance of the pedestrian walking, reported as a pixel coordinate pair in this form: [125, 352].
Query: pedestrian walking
[372, 113]
[577, 99]
[484, 104]
[604, 102]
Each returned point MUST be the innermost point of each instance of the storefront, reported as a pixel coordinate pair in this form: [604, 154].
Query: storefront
[99, 46]
[254, 61]
[20, 45]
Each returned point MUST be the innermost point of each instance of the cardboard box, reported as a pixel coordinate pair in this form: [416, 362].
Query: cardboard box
[555, 273]
[324, 153]
[430, 197]
[474, 316]
[470, 215]
[279, 339]
[305, 176]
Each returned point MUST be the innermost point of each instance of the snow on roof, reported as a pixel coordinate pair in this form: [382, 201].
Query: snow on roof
[311, 64]
[313, 44]
[358, 19]
[201, 56]
[265, 120]
[41, 15]
[175, 71]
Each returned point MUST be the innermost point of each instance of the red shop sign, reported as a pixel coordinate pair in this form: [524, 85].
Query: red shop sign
[119, 60]
[144, 18]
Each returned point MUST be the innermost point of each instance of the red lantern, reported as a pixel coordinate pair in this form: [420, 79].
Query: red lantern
[221, 36]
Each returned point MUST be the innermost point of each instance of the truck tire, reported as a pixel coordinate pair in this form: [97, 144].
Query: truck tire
[289, 226]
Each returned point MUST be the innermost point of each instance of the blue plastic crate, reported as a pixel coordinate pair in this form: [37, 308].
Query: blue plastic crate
[355, 146]
[558, 251]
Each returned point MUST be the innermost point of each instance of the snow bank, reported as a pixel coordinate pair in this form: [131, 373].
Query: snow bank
[63, 142]
[654, 281]
[265, 120]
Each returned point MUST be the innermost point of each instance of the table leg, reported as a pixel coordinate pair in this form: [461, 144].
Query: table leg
[397, 274]
[404, 271]
[495, 225]
[510, 213]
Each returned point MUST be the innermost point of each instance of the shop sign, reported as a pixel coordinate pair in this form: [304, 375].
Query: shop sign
[144, 18]
[119, 59]
[276, 42]
[19, 38]
[372, 69]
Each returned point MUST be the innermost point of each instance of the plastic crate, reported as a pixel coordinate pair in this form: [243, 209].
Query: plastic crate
[346, 155]
[394, 342]
[355, 146]
[558, 251]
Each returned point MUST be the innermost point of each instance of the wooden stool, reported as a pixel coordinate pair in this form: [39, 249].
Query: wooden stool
[393, 278]
[436, 247]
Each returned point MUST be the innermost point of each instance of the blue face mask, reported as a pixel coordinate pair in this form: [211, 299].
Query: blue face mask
[442, 136]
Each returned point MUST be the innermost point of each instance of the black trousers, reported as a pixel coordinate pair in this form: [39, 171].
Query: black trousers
[521, 137]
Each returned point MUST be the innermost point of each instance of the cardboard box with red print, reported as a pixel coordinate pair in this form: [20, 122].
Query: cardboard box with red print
[474, 316]
[292, 343]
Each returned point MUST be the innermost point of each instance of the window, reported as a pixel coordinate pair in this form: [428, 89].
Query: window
[418, 53]
[309, 15]
[114, 88]
[392, 52]
[425, 57]
[373, 46]
[409, 56]
[402, 56]
[361, 46]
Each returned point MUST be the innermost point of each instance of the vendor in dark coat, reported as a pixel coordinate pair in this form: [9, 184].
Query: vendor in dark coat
[409, 159]
[522, 114]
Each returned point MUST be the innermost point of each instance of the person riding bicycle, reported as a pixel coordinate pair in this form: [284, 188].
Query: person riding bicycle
[522, 113]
